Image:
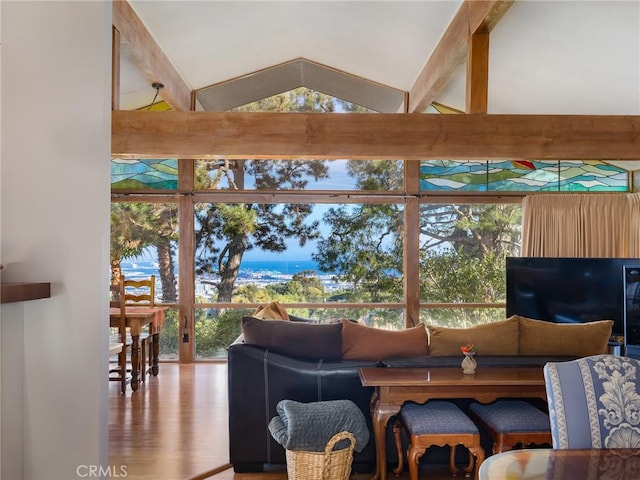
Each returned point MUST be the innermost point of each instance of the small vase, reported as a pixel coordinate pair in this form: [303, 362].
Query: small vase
[469, 363]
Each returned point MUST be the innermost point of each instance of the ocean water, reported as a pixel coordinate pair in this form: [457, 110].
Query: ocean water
[287, 267]
[252, 272]
[249, 268]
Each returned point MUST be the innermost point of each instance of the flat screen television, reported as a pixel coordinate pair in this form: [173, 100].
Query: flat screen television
[568, 290]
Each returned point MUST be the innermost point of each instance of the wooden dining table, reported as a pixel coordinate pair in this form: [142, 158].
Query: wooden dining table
[395, 386]
[136, 318]
[556, 464]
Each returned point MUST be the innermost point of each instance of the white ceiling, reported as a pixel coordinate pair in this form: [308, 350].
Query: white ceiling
[574, 57]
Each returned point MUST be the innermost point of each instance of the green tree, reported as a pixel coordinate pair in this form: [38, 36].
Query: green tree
[471, 230]
[306, 287]
[299, 99]
[303, 287]
[250, 293]
[464, 250]
[130, 234]
[381, 175]
[365, 247]
[213, 336]
[166, 237]
[136, 227]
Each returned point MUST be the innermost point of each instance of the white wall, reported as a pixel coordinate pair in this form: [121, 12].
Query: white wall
[54, 179]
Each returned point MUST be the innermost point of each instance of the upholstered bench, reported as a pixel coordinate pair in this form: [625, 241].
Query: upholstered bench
[510, 422]
[437, 423]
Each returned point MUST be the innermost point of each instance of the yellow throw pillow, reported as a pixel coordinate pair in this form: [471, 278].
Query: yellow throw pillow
[360, 342]
[538, 337]
[271, 311]
[497, 338]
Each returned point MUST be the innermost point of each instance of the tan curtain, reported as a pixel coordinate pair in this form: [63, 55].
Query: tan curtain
[581, 225]
[634, 224]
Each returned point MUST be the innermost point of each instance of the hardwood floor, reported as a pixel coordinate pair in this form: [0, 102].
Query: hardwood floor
[175, 428]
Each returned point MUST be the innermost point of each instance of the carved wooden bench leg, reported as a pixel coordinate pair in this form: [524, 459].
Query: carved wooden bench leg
[397, 435]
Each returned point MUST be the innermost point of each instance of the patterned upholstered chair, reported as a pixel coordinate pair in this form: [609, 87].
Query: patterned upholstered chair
[512, 422]
[594, 402]
[436, 423]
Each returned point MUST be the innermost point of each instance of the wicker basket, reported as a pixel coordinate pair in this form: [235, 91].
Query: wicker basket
[328, 465]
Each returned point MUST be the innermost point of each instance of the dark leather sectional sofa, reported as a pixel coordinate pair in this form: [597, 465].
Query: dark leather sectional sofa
[259, 377]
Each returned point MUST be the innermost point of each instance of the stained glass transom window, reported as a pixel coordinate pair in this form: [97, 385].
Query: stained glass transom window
[522, 175]
[157, 174]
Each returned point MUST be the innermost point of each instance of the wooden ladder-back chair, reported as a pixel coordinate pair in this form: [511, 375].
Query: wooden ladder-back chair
[142, 293]
[119, 373]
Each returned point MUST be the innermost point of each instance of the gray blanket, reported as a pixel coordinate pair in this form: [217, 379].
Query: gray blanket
[309, 426]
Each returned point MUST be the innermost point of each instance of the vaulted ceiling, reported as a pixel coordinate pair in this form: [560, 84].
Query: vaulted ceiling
[574, 64]
[546, 57]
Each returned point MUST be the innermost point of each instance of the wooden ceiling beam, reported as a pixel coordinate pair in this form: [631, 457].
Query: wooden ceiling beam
[472, 17]
[478, 73]
[141, 49]
[373, 136]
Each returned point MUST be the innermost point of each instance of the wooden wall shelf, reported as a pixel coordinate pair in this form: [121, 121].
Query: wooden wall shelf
[21, 292]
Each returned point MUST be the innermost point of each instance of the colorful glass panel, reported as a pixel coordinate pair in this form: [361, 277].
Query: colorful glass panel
[592, 176]
[453, 175]
[522, 176]
[156, 174]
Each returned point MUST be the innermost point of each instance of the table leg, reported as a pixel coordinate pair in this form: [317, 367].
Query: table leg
[381, 416]
[135, 357]
[156, 354]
